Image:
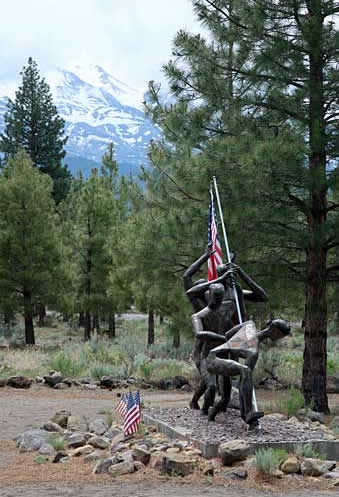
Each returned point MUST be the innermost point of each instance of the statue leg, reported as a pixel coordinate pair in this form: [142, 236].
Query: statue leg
[211, 383]
[229, 368]
[198, 392]
[225, 389]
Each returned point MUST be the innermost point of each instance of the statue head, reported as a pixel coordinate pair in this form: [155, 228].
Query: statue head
[278, 328]
[222, 268]
[216, 295]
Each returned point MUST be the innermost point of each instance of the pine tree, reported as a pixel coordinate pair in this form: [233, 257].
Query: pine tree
[29, 241]
[257, 105]
[32, 123]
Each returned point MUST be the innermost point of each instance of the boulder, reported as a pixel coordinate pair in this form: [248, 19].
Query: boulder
[93, 456]
[76, 440]
[113, 432]
[3, 382]
[59, 456]
[76, 423]
[61, 386]
[19, 382]
[109, 382]
[82, 451]
[316, 467]
[291, 465]
[98, 426]
[235, 450]
[103, 465]
[331, 475]
[333, 383]
[46, 450]
[176, 465]
[236, 474]
[32, 440]
[53, 378]
[308, 414]
[121, 468]
[99, 442]
[156, 461]
[61, 418]
[52, 427]
[142, 455]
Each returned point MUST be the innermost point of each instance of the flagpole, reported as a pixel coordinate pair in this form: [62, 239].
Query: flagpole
[229, 260]
[227, 248]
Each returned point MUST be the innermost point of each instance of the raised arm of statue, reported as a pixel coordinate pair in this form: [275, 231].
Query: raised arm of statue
[255, 292]
[193, 269]
[203, 287]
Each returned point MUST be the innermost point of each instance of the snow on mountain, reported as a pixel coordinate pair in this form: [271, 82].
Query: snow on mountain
[99, 109]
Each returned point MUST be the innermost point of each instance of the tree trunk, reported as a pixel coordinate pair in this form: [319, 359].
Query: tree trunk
[87, 329]
[28, 314]
[41, 313]
[176, 338]
[81, 321]
[111, 324]
[150, 335]
[315, 352]
[96, 322]
[161, 319]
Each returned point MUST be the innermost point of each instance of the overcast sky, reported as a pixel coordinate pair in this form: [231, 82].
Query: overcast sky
[131, 38]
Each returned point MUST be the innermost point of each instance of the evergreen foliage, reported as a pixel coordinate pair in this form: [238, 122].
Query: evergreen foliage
[256, 105]
[33, 124]
[29, 238]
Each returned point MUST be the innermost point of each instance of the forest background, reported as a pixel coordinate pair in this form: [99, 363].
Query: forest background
[254, 103]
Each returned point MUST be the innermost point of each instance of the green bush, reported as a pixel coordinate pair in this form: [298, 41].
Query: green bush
[268, 460]
[291, 402]
[308, 451]
[40, 459]
[64, 363]
[58, 443]
[100, 370]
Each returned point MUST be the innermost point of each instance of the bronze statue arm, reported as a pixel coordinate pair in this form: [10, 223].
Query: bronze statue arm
[230, 333]
[256, 293]
[194, 268]
[203, 287]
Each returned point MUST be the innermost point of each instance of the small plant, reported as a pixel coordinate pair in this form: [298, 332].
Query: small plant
[57, 443]
[65, 364]
[100, 370]
[40, 459]
[307, 450]
[268, 460]
[335, 425]
[291, 403]
[109, 419]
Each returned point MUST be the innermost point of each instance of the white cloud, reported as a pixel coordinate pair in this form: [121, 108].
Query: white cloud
[131, 38]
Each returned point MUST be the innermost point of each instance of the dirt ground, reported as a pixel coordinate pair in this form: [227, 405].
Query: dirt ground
[21, 476]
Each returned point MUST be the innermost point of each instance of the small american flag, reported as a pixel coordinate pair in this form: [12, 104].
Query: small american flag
[137, 399]
[132, 416]
[213, 242]
[122, 406]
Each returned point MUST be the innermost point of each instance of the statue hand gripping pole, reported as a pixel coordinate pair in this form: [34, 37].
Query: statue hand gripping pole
[229, 260]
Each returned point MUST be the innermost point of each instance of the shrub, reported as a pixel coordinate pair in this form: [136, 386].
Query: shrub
[100, 370]
[65, 364]
[268, 460]
[291, 402]
[308, 451]
[57, 442]
[40, 459]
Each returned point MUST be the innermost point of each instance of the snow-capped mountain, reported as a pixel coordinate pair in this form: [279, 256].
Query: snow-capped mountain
[99, 109]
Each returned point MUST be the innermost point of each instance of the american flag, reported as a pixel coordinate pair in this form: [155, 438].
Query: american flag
[137, 399]
[122, 406]
[132, 416]
[213, 242]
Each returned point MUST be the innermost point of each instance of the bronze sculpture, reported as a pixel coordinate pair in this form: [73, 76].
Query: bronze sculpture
[225, 318]
[242, 341]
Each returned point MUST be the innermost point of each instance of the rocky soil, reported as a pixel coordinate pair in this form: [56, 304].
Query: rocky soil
[229, 426]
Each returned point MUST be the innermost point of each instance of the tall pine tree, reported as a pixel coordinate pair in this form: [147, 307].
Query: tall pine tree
[32, 123]
[257, 104]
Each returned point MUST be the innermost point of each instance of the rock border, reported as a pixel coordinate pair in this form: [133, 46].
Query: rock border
[328, 448]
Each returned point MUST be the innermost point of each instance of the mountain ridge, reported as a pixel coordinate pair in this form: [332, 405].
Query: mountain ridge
[98, 109]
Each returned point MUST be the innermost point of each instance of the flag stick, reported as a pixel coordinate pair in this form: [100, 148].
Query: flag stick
[229, 260]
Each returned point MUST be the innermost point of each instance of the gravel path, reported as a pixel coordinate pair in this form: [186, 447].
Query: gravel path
[171, 489]
[229, 426]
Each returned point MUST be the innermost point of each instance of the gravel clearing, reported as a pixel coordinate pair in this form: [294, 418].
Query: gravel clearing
[229, 426]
